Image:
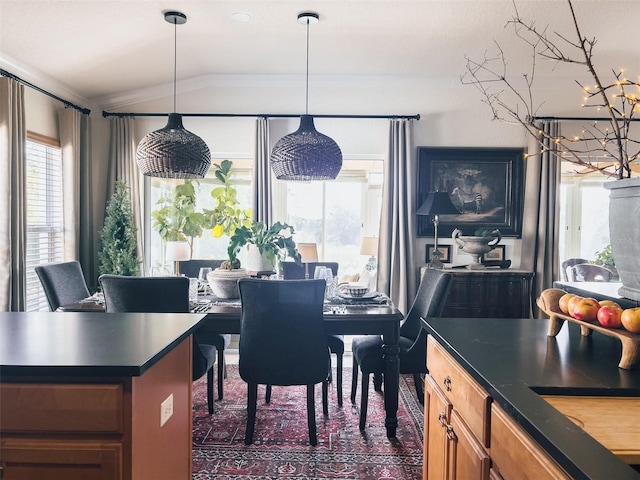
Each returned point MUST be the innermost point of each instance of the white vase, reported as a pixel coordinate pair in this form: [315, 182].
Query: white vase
[257, 262]
[624, 233]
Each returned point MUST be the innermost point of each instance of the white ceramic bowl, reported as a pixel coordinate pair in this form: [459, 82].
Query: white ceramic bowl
[356, 290]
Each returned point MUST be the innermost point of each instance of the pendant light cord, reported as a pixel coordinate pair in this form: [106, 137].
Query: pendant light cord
[175, 61]
[306, 108]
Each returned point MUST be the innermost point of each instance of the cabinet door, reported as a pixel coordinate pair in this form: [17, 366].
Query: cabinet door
[437, 410]
[468, 460]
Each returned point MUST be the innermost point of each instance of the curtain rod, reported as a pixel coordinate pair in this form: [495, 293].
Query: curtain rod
[583, 119]
[67, 103]
[270, 115]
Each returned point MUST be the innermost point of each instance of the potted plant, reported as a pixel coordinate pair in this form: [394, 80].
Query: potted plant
[177, 220]
[604, 257]
[606, 146]
[482, 241]
[268, 244]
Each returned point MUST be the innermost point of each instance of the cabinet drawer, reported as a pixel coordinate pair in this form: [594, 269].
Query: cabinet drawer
[463, 392]
[61, 408]
[515, 455]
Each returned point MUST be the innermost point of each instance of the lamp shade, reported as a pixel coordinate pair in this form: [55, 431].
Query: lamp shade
[173, 152]
[177, 251]
[437, 203]
[306, 154]
[369, 246]
[308, 252]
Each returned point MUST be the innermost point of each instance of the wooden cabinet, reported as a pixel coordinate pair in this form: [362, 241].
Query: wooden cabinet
[515, 455]
[489, 293]
[467, 436]
[456, 421]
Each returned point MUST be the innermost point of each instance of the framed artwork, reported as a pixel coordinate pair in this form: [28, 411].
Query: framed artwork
[445, 253]
[484, 184]
[495, 255]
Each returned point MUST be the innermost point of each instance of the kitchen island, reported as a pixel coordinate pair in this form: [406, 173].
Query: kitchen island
[95, 395]
[512, 367]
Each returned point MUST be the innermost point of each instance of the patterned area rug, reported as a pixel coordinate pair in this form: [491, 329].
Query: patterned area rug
[281, 449]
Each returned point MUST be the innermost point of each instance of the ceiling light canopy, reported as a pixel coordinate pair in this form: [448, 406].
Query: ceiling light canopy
[306, 154]
[173, 151]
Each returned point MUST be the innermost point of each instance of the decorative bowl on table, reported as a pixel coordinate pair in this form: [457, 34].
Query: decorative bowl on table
[224, 283]
[355, 290]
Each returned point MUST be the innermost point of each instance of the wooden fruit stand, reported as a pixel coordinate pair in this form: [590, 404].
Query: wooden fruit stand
[548, 303]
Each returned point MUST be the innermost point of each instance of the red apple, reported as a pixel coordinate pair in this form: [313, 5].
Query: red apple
[609, 316]
[586, 309]
[630, 319]
[563, 303]
[572, 302]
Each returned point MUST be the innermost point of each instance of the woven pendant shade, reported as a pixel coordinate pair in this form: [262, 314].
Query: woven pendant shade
[306, 154]
[173, 152]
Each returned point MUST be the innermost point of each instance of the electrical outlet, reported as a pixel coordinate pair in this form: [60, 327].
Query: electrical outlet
[166, 410]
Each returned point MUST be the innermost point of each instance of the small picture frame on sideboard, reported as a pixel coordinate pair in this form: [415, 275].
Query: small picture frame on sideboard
[495, 255]
[444, 250]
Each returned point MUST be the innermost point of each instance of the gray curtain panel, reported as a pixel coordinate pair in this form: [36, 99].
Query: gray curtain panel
[13, 216]
[123, 166]
[540, 228]
[262, 185]
[75, 143]
[397, 274]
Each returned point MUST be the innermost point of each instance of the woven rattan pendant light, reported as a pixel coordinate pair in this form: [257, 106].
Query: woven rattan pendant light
[306, 154]
[172, 151]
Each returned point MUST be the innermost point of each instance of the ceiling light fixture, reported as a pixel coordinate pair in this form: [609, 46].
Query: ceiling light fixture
[173, 151]
[306, 154]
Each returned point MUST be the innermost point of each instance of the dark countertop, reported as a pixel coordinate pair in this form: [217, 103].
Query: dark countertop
[515, 361]
[88, 344]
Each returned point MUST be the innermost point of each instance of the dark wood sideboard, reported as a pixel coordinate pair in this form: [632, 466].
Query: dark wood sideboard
[494, 293]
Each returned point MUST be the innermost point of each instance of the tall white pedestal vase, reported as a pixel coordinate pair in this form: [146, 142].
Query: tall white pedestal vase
[624, 233]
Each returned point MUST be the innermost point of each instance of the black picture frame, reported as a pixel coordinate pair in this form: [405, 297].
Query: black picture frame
[495, 255]
[445, 253]
[489, 179]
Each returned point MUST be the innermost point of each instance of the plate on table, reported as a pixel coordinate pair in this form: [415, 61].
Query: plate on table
[366, 296]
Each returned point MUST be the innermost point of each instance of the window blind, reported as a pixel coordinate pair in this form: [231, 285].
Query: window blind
[44, 214]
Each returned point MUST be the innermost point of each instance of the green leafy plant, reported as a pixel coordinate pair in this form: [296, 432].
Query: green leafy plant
[604, 257]
[177, 220]
[484, 232]
[227, 215]
[118, 254]
[275, 242]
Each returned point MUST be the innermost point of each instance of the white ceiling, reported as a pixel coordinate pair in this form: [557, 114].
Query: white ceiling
[95, 51]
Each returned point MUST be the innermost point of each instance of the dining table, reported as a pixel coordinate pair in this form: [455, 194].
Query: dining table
[374, 315]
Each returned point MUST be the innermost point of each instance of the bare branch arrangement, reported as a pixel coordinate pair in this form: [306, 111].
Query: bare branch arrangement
[607, 149]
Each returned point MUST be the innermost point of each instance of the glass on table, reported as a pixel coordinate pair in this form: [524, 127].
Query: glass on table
[193, 289]
[203, 278]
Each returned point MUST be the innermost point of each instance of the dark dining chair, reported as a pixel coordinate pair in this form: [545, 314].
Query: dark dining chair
[63, 283]
[368, 350]
[191, 268]
[283, 342]
[566, 275]
[590, 272]
[294, 271]
[159, 295]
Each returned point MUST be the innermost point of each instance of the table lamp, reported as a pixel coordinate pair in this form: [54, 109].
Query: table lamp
[176, 252]
[308, 253]
[370, 247]
[437, 203]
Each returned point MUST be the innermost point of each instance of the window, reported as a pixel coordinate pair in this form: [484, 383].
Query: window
[44, 212]
[584, 215]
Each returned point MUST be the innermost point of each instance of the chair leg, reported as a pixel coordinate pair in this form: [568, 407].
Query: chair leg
[267, 396]
[221, 374]
[311, 415]
[210, 390]
[252, 400]
[377, 382]
[339, 379]
[325, 398]
[364, 400]
[354, 380]
[417, 381]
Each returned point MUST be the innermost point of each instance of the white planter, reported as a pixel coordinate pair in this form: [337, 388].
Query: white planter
[257, 262]
[624, 233]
